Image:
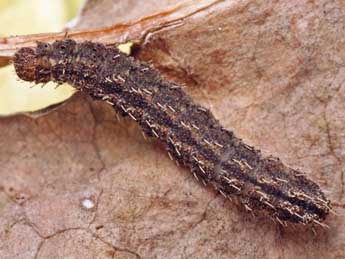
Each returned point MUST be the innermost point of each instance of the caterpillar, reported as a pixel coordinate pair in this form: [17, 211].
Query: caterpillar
[190, 133]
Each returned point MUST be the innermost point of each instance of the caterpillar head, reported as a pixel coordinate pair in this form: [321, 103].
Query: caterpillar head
[25, 64]
[35, 64]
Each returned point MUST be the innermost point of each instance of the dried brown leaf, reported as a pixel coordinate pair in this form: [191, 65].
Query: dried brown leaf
[271, 71]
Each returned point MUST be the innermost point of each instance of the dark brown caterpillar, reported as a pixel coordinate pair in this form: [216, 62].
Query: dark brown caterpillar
[191, 134]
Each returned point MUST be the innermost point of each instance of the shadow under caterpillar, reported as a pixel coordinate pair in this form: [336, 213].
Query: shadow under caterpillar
[190, 133]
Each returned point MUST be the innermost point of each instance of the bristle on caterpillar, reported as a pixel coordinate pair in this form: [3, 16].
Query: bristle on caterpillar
[191, 134]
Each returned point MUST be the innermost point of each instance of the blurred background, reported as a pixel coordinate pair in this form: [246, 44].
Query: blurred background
[18, 17]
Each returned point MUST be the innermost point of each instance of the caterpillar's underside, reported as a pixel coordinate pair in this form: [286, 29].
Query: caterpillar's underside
[191, 134]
